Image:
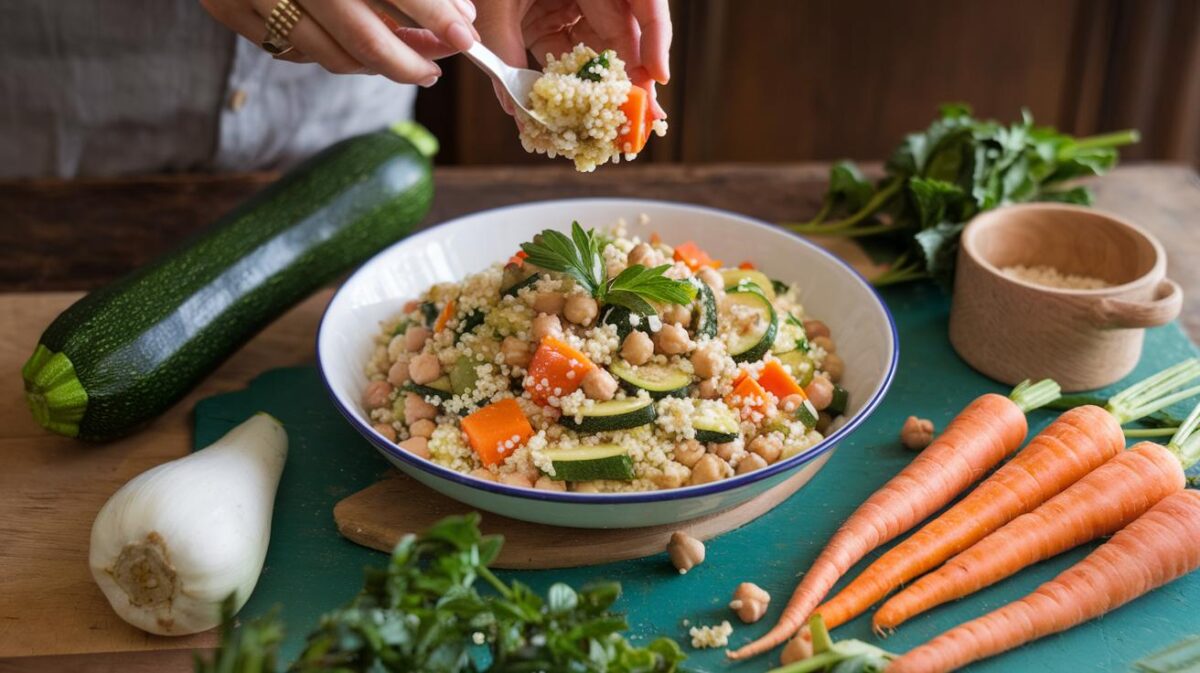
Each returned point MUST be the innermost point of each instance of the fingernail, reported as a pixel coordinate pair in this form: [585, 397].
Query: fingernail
[459, 36]
[426, 83]
[468, 9]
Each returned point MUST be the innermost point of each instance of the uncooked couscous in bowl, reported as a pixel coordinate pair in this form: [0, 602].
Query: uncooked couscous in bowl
[592, 112]
[602, 363]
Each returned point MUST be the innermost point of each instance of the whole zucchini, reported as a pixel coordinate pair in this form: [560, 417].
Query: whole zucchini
[123, 354]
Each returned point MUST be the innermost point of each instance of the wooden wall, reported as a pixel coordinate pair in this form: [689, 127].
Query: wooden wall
[789, 80]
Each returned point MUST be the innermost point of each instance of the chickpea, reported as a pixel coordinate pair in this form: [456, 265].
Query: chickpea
[415, 337]
[386, 430]
[834, 367]
[411, 305]
[767, 447]
[707, 390]
[820, 392]
[546, 324]
[516, 479]
[545, 483]
[599, 385]
[672, 476]
[689, 452]
[816, 328]
[581, 309]
[677, 314]
[417, 446]
[585, 487]
[516, 352]
[398, 374]
[750, 463]
[637, 348]
[483, 473]
[644, 254]
[707, 362]
[750, 602]
[614, 267]
[791, 403]
[377, 395]
[726, 451]
[685, 552]
[708, 469]
[672, 340]
[416, 408]
[825, 343]
[424, 368]
[422, 428]
[824, 420]
[917, 433]
[712, 278]
[798, 648]
[549, 302]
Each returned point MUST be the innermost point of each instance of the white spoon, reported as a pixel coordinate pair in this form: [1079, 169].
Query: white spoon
[517, 82]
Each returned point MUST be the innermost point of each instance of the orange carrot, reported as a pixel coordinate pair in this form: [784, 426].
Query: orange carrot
[748, 397]
[444, 317]
[982, 435]
[775, 380]
[694, 257]
[496, 430]
[655, 239]
[637, 114]
[747, 266]
[1078, 442]
[1159, 547]
[556, 370]
[519, 258]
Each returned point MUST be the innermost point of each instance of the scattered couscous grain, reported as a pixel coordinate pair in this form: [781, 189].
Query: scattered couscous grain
[711, 636]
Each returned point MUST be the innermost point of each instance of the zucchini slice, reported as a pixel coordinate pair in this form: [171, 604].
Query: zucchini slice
[625, 320]
[837, 405]
[807, 414]
[799, 364]
[588, 463]
[737, 278]
[658, 380]
[754, 344]
[440, 388]
[512, 290]
[463, 376]
[630, 412]
[704, 321]
[469, 322]
[715, 424]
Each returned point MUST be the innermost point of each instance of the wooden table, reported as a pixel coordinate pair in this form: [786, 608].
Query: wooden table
[72, 236]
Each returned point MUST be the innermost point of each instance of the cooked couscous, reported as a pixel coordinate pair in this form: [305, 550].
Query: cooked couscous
[599, 362]
[585, 99]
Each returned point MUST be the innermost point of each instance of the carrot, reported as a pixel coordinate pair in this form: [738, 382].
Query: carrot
[495, 430]
[694, 257]
[444, 317]
[556, 370]
[986, 431]
[655, 239]
[1102, 502]
[519, 258]
[775, 380]
[747, 266]
[748, 397]
[1160, 546]
[637, 114]
[1075, 444]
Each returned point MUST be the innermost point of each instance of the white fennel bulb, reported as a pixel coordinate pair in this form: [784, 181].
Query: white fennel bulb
[177, 540]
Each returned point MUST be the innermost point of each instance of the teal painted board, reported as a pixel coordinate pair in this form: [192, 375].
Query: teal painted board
[311, 569]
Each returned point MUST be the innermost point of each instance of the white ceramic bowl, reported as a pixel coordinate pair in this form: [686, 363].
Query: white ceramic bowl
[832, 292]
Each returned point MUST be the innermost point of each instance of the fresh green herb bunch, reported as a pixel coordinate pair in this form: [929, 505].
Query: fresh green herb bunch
[580, 257]
[424, 613]
[939, 179]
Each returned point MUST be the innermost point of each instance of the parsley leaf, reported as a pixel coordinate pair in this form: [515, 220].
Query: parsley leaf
[587, 70]
[577, 256]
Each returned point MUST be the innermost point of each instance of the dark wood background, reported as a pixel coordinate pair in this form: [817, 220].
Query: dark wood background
[789, 80]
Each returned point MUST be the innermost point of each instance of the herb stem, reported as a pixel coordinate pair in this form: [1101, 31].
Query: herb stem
[488, 576]
[1114, 139]
[877, 201]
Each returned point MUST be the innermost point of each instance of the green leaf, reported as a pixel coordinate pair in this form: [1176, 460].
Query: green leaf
[1081, 196]
[934, 200]
[577, 256]
[561, 598]
[848, 188]
[649, 285]
[939, 246]
[585, 71]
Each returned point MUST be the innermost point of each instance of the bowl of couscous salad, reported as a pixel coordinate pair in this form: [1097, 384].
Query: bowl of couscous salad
[606, 362]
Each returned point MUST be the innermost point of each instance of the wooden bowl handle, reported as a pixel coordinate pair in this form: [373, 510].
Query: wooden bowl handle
[1119, 313]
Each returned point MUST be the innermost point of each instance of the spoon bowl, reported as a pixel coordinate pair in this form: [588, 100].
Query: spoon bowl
[517, 82]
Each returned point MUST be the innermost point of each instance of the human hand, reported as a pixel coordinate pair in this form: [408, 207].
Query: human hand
[638, 30]
[362, 36]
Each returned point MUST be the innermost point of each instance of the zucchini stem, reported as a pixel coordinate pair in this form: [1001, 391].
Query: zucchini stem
[1029, 395]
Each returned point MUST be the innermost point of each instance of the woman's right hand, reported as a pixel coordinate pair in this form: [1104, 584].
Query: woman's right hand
[353, 36]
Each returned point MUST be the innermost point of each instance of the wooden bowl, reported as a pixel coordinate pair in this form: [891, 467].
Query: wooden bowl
[1011, 329]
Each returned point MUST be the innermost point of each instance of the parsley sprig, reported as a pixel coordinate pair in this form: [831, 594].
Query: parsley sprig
[579, 256]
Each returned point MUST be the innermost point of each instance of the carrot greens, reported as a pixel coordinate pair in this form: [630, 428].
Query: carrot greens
[843, 656]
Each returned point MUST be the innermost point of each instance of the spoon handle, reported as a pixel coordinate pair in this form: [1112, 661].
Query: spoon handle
[488, 60]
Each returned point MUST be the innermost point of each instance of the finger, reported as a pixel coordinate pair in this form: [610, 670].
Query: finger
[424, 43]
[546, 28]
[249, 25]
[499, 25]
[361, 33]
[444, 18]
[610, 25]
[314, 42]
[654, 20]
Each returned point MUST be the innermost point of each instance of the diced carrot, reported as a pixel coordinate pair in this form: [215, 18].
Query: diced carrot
[519, 258]
[747, 265]
[637, 114]
[444, 317]
[496, 430]
[694, 257]
[775, 380]
[748, 397]
[655, 239]
[556, 370]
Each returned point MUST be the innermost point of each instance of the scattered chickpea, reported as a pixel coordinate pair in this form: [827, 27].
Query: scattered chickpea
[637, 348]
[387, 431]
[516, 352]
[415, 337]
[422, 428]
[834, 367]
[798, 648]
[825, 343]
[767, 447]
[824, 420]
[672, 340]
[707, 390]
[689, 452]
[550, 303]
[680, 314]
[424, 368]
[791, 403]
[546, 324]
[707, 362]
[917, 433]
[516, 479]
[750, 463]
[708, 469]
[483, 473]
[599, 385]
[398, 374]
[416, 408]
[581, 309]
[750, 602]
[820, 392]
[377, 395]
[417, 446]
[712, 278]
[645, 255]
[816, 328]
[685, 551]
[545, 483]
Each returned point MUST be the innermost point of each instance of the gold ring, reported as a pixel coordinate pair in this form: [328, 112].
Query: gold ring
[283, 18]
